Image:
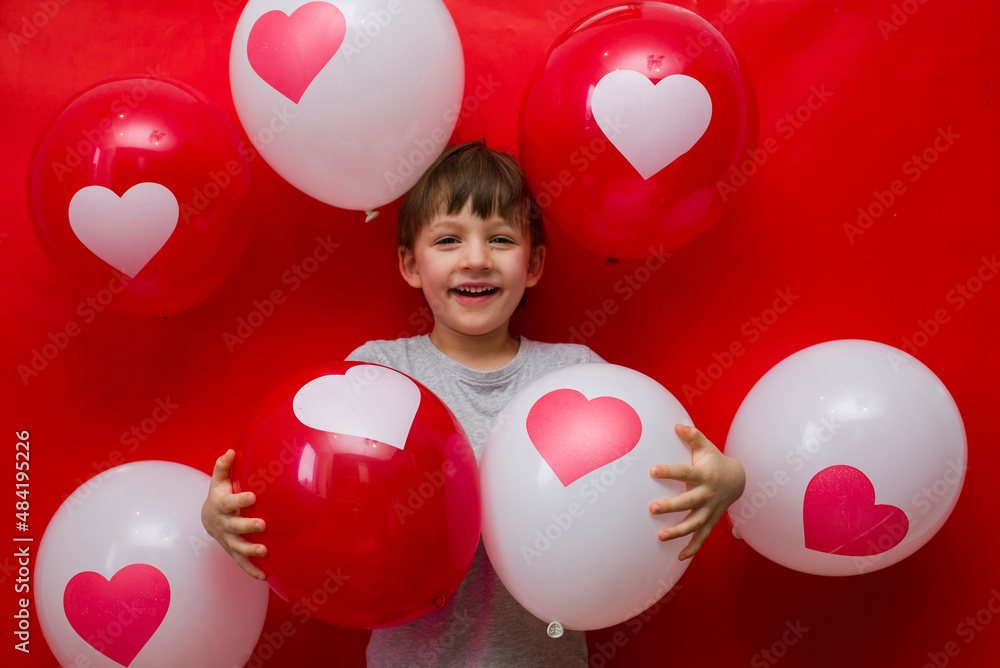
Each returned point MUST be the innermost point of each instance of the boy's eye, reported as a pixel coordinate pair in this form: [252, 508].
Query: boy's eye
[446, 241]
[501, 240]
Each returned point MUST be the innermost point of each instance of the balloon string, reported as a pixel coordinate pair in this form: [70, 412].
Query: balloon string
[370, 215]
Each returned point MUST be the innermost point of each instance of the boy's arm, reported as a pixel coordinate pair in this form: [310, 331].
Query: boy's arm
[714, 481]
[220, 516]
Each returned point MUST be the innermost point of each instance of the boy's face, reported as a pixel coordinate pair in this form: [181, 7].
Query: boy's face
[473, 272]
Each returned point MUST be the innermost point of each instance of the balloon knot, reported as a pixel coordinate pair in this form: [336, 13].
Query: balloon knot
[370, 215]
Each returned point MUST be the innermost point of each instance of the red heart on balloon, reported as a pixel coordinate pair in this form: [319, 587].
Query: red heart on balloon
[576, 436]
[840, 516]
[289, 51]
[117, 617]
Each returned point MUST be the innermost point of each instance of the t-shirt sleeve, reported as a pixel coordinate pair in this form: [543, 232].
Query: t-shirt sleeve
[594, 357]
[576, 353]
[554, 355]
[367, 352]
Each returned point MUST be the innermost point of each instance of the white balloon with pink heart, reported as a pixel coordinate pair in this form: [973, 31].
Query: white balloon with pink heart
[566, 490]
[855, 455]
[126, 575]
[348, 100]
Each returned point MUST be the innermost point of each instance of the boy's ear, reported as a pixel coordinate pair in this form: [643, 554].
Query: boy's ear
[408, 266]
[536, 264]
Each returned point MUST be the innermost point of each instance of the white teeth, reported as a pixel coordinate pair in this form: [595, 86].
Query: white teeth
[475, 291]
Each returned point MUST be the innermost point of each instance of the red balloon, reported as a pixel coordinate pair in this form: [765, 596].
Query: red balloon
[138, 190]
[369, 490]
[631, 127]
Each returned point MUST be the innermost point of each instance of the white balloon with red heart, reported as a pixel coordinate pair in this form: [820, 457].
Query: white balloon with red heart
[348, 100]
[127, 576]
[566, 494]
[855, 455]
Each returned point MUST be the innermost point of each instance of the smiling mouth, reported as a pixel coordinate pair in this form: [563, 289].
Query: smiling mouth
[474, 292]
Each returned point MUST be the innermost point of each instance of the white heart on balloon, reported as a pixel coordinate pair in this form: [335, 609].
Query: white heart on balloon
[651, 125]
[368, 401]
[127, 231]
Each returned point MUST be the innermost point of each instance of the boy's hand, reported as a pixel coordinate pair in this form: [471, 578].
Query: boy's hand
[714, 481]
[220, 518]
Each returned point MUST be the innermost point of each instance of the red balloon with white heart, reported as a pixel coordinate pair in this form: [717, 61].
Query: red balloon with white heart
[855, 455]
[566, 495]
[369, 490]
[632, 126]
[139, 194]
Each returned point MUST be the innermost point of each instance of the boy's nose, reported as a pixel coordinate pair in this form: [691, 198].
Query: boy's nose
[477, 255]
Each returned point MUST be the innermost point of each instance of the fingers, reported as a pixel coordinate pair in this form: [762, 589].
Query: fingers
[682, 472]
[241, 550]
[223, 524]
[248, 566]
[697, 523]
[684, 501]
[230, 503]
[692, 436]
[244, 525]
[697, 540]
[223, 467]
[220, 516]
[237, 545]
[695, 520]
[712, 479]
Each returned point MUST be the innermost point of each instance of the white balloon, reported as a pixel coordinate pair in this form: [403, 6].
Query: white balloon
[566, 493]
[349, 101]
[125, 561]
[855, 455]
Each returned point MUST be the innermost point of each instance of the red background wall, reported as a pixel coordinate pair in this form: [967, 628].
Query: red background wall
[897, 72]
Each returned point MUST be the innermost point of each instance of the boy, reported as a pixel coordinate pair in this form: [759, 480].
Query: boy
[471, 240]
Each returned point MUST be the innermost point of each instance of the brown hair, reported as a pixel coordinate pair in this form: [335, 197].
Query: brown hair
[491, 180]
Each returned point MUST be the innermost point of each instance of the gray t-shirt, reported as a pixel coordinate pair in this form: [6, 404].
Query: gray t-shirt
[481, 625]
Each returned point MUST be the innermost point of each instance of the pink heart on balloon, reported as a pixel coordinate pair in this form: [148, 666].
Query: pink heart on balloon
[289, 51]
[117, 618]
[576, 436]
[840, 516]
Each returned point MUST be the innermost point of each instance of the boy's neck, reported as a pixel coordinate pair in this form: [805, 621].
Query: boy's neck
[483, 352]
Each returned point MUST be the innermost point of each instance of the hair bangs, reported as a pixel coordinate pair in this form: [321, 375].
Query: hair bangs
[489, 181]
